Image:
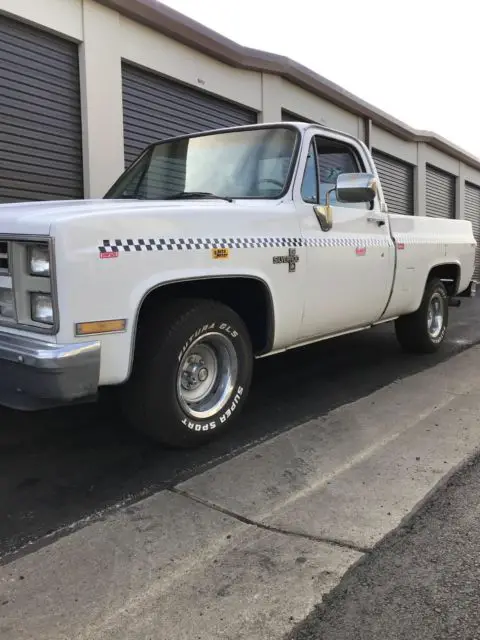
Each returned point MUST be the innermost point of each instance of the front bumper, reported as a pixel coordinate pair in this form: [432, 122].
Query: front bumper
[37, 375]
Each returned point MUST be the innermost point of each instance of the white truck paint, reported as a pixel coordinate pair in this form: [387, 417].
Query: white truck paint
[143, 259]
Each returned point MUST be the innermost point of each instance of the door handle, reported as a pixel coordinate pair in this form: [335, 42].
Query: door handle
[375, 217]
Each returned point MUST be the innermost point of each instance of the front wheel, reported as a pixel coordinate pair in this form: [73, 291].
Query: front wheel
[192, 373]
[424, 330]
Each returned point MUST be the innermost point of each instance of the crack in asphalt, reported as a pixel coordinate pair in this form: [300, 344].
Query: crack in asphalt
[266, 527]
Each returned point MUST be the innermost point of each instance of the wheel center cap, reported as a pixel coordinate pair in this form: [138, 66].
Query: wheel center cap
[202, 374]
[193, 375]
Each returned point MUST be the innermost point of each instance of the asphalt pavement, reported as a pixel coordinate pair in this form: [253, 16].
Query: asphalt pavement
[64, 468]
[422, 582]
[249, 546]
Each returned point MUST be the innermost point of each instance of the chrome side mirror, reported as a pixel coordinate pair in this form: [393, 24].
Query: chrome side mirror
[356, 187]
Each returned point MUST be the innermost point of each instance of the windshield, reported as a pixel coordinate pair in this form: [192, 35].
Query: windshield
[251, 163]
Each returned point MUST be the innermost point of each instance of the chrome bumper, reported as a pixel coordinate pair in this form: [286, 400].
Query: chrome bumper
[37, 375]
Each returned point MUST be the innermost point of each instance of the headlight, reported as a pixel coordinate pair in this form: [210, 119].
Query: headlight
[41, 308]
[38, 260]
[7, 309]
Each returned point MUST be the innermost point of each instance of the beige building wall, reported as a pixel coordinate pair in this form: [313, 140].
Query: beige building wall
[101, 94]
[388, 143]
[301, 102]
[106, 38]
[63, 17]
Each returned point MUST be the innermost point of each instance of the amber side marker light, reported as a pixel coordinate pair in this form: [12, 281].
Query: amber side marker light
[99, 326]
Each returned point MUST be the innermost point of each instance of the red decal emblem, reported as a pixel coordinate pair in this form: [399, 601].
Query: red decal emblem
[108, 254]
[400, 246]
[360, 251]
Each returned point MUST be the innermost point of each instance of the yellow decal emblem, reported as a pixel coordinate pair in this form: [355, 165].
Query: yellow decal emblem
[220, 254]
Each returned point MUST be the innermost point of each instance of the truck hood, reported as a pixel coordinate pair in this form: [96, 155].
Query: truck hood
[37, 218]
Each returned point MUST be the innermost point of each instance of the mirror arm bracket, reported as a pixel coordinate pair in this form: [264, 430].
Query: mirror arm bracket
[324, 216]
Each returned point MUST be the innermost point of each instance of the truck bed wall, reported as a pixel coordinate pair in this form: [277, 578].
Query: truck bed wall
[423, 243]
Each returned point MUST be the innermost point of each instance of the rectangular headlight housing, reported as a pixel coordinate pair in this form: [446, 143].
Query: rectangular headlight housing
[41, 305]
[27, 286]
[38, 256]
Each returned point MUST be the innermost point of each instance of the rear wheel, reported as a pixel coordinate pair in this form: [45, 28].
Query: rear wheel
[192, 373]
[424, 330]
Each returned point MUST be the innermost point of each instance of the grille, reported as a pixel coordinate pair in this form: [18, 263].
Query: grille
[3, 256]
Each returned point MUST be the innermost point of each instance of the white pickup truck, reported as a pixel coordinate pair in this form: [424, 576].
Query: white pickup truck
[212, 250]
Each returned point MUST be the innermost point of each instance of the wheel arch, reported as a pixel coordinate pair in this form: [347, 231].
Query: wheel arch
[449, 273]
[250, 296]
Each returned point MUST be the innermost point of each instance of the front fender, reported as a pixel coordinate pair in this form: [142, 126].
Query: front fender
[141, 293]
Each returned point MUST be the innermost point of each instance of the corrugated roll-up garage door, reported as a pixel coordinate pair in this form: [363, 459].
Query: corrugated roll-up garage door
[40, 119]
[440, 193]
[155, 108]
[472, 213]
[397, 182]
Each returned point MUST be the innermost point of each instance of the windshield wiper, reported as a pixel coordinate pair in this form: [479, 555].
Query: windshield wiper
[183, 195]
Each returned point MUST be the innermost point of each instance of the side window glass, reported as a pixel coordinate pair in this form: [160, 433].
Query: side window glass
[310, 178]
[335, 158]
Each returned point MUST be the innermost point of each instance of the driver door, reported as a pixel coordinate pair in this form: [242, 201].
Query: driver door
[349, 267]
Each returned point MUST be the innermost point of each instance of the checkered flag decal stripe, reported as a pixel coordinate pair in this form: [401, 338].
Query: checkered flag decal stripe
[407, 239]
[196, 244]
[346, 242]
